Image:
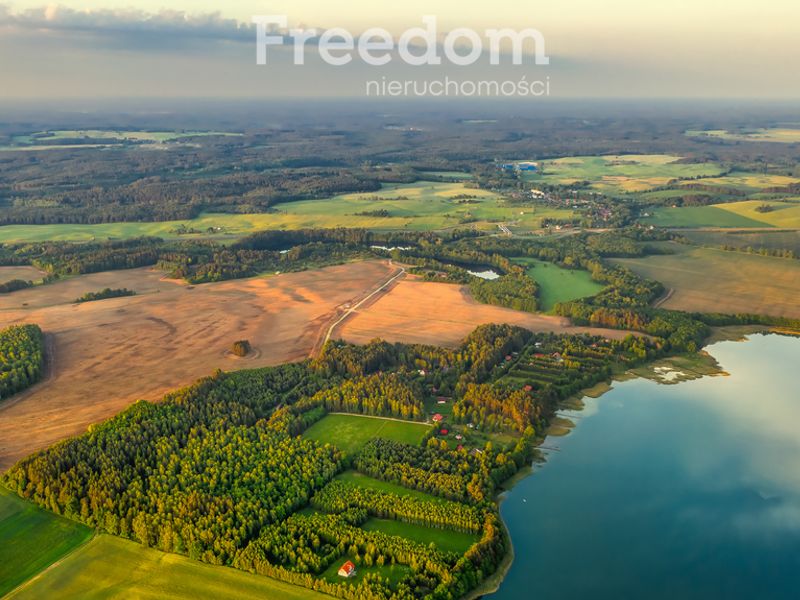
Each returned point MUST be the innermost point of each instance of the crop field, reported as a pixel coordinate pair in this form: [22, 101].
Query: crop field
[700, 216]
[112, 567]
[770, 239]
[785, 215]
[105, 355]
[557, 284]
[423, 312]
[746, 182]
[773, 134]
[444, 539]
[23, 273]
[709, 280]
[350, 432]
[621, 173]
[31, 539]
[419, 206]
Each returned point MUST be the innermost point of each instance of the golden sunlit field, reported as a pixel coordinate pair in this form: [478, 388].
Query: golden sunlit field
[423, 312]
[710, 280]
[104, 355]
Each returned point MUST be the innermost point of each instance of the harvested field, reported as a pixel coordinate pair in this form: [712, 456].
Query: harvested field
[24, 273]
[711, 280]
[105, 355]
[415, 311]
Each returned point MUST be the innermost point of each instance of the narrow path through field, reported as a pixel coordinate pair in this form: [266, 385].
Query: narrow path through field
[360, 303]
[666, 296]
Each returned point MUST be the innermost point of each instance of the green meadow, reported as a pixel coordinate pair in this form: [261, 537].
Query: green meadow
[394, 573]
[112, 567]
[621, 173]
[350, 432]
[444, 539]
[421, 206]
[32, 539]
[557, 284]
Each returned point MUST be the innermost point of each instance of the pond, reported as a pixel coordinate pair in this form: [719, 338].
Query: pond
[670, 491]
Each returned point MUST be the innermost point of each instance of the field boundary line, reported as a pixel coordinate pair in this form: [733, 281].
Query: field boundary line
[381, 418]
[36, 576]
[361, 302]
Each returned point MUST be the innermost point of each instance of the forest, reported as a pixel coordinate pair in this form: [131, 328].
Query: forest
[218, 471]
[21, 358]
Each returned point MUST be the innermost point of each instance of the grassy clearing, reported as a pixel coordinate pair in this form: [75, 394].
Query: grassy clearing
[443, 539]
[421, 206]
[557, 284]
[773, 134]
[621, 173]
[351, 432]
[710, 280]
[371, 483]
[31, 539]
[394, 573]
[111, 567]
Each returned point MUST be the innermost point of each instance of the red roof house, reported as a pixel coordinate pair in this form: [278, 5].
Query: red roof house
[437, 418]
[348, 569]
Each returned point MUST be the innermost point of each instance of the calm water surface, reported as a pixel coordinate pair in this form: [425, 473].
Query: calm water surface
[681, 491]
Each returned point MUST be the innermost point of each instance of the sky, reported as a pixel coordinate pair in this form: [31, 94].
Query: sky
[598, 48]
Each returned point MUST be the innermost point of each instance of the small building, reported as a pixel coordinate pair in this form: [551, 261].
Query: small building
[437, 418]
[444, 432]
[348, 569]
[528, 388]
[459, 436]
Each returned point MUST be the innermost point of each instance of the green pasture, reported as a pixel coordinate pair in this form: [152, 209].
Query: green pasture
[557, 284]
[350, 432]
[444, 539]
[112, 567]
[32, 539]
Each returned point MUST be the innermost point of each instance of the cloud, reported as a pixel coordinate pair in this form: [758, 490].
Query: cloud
[128, 23]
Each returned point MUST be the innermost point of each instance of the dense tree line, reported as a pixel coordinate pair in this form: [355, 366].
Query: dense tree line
[13, 285]
[379, 394]
[339, 496]
[21, 358]
[105, 294]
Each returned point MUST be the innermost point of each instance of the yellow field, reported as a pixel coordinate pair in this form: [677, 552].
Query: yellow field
[748, 181]
[708, 280]
[785, 215]
[105, 355]
[424, 312]
[109, 567]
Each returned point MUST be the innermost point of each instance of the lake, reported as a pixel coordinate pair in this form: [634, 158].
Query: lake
[670, 491]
